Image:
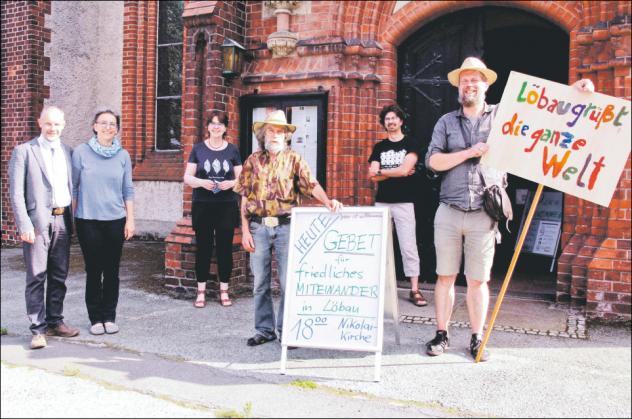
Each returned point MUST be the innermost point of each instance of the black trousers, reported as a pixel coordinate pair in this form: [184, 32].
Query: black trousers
[101, 244]
[214, 224]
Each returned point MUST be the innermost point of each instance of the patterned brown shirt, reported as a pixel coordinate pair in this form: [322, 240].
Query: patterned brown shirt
[273, 187]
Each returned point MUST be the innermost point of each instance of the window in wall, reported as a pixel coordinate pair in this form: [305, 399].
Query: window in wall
[169, 75]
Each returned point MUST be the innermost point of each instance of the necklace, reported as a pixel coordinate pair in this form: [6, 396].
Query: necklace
[221, 145]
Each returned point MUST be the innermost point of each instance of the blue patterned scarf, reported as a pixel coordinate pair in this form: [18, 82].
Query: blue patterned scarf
[106, 152]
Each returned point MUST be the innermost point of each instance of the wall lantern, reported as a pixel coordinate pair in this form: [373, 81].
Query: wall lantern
[233, 54]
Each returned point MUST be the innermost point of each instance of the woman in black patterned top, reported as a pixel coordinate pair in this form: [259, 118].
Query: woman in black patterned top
[213, 167]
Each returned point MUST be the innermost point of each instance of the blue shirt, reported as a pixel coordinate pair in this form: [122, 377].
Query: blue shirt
[101, 185]
[462, 185]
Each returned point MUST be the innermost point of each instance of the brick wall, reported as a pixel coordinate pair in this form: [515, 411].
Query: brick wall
[354, 58]
[205, 90]
[594, 269]
[23, 90]
[360, 75]
[344, 67]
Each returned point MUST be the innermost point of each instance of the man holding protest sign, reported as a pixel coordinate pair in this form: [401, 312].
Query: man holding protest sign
[392, 162]
[461, 225]
[271, 183]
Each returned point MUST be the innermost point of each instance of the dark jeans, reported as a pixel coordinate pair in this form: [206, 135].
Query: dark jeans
[101, 243]
[47, 267]
[214, 223]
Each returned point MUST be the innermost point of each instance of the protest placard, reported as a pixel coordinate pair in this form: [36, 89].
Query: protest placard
[553, 134]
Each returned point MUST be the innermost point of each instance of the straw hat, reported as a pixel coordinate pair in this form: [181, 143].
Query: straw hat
[472, 63]
[274, 118]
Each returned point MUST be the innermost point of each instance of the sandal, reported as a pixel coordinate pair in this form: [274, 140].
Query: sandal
[224, 299]
[259, 340]
[417, 299]
[200, 303]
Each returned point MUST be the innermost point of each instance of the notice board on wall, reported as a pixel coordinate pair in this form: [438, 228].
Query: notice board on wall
[544, 233]
[340, 279]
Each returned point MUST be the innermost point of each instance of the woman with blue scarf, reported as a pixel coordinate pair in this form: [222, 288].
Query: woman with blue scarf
[103, 196]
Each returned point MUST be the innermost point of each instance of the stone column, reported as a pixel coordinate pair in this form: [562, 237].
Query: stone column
[282, 43]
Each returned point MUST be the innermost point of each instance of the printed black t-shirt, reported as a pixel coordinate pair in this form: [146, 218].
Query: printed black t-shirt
[390, 154]
[216, 165]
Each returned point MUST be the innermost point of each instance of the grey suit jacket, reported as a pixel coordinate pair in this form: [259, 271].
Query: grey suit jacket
[30, 187]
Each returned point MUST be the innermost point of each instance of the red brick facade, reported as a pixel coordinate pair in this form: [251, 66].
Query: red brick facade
[204, 90]
[594, 269]
[353, 57]
[23, 90]
[139, 94]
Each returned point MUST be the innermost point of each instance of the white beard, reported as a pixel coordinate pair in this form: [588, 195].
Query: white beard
[275, 147]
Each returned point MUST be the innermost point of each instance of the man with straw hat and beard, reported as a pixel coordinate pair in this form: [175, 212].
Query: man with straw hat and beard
[271, 183]
[462, 227]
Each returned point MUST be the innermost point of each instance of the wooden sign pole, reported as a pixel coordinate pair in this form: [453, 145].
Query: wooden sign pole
[512, 265]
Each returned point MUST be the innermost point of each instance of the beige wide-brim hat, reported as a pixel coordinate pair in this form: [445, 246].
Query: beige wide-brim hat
[472, 63]
[274, 118]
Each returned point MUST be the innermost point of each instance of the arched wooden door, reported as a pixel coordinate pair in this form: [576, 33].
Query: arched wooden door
[506, 39]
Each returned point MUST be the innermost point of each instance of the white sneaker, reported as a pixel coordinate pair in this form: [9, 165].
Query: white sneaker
[110, 327]
[38, 341]
[97, 329]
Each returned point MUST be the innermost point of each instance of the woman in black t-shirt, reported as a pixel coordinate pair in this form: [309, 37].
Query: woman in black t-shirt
[213, 167]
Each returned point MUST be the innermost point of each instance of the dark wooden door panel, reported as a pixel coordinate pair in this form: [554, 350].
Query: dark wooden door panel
[506, 39]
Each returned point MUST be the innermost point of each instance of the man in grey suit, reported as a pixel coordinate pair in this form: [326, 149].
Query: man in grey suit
[40, 185]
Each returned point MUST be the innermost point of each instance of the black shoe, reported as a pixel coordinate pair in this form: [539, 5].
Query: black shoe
[439, 344]
[259, 340]
[475, 346]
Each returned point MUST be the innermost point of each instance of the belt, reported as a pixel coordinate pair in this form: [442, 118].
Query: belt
[59, 211]
[456, 207]
[271, 221]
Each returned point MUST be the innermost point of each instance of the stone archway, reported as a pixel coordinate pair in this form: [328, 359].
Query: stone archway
[506, 39]
[594, 269]
[392, 29]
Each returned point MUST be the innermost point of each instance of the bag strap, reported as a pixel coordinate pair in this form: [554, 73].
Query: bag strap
[468, 141]
[466, 138]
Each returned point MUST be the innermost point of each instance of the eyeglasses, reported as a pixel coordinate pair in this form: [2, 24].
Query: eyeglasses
[465, 81]
[107, 124]
[216, 124]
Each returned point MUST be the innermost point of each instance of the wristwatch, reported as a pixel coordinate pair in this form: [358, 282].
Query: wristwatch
[379, 172]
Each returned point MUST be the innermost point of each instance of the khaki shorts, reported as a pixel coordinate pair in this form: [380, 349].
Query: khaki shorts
[457, 231]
